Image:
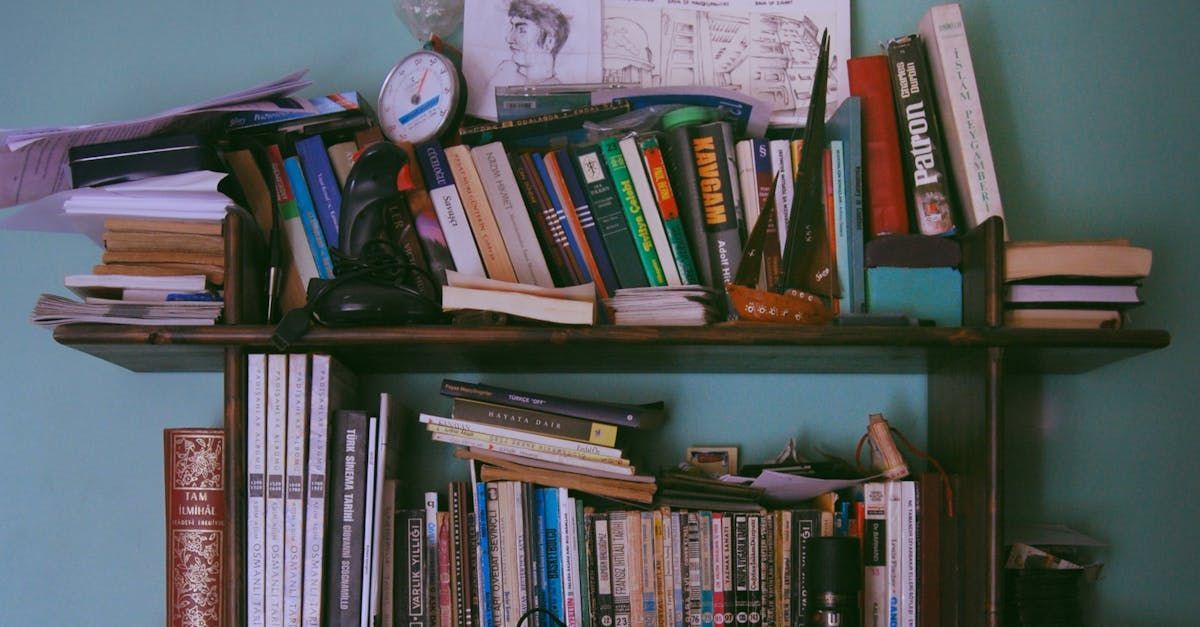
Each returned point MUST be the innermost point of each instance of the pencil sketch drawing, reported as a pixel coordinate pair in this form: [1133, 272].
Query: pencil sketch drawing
[527, 42]
[769, 53]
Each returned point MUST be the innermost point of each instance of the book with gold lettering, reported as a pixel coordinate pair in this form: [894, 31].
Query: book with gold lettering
[193, 463]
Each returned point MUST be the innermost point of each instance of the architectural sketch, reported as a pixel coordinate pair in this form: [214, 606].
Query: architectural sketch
[527, 42]
[769, 53]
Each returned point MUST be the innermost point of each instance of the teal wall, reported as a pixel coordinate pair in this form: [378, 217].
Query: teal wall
[1091, 108]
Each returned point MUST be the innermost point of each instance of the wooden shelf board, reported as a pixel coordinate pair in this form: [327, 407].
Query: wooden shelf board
[729, 348]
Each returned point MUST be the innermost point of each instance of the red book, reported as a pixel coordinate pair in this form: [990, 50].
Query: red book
[886, 201]
[193, 467]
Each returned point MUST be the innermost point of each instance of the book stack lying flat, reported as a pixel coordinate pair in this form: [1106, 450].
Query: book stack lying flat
[547, 440]
[132, 299]
[1079, 284]
[685, 305]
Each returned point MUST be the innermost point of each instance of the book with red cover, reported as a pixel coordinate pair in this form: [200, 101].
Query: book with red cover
[193, 467]
[886, 200]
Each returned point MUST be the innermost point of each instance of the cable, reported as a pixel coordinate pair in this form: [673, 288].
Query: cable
[527, 615]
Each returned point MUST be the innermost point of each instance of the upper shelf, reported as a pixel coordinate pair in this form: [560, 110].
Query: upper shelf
[728, 348]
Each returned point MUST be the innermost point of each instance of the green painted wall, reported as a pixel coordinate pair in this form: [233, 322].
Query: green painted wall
[1091, 109]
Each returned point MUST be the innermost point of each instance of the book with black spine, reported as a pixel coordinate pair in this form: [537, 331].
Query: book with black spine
[648, 416]
[677, 152]
[411, 595]
[711, 158]
[347, 495]
[534, 421]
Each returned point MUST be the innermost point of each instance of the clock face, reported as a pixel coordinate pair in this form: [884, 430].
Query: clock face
[419, 98]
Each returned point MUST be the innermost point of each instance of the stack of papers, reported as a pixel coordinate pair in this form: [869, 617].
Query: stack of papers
[124, 299]
[687, 305]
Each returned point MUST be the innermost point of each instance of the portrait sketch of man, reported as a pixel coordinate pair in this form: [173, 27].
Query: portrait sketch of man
[527, 42]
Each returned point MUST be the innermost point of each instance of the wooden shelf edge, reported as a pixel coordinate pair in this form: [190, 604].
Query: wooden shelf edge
[732, 347]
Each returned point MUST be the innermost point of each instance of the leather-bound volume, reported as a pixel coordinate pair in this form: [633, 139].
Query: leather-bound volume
[193, 463]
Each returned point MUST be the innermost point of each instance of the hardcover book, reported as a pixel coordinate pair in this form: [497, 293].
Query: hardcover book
[886, 200]
[194, 468]
[610, 217]
[960, 110]
[845, 126]
[921, 137]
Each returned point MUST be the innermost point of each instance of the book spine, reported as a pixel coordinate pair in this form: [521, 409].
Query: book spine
[960, 110]
[276, 467]
[387, 555]
[551, 527]
[784, 558]
[256, 468]
[726, 549]
[710, 158]
[404, 234]
[425, 220]
[303, 262]
[322, 185]
[894, 519]
[372, 594]
[634, 216]
[604, 610]
[516, 227]
[719, 572]
[781, 166]
[610, 217]
[650, 587]
[753, 570]
[690, 530]
[483, 561]
[841, 227]
[458, 549]
[545, 221]
[663, 552]
[619, 555]
[344, 562]
[636, 168]
[341, 158]
[580, 266]
[315, 501]
[741, 569]
[411, 598]
[445, 599]
[497, 544]
[920, 133]
[707, 557]
[479, 214]
[635, 417]
[526, 545]
[569, 561]
[633, 567]
[193, 473]
[370, 542]
[767, 560]
[293, 531]
[443, 191]
[587, 222]
[571, 222]
[854, 195]
[585, 568]
[677, 152]
[668, 209]
[513, 573]
[908, 553]
[886, 202]
[805, 525]
[875, 541]
[747, 182]
[309, 218]
[431, 557]
[476, 430]
[677, 569]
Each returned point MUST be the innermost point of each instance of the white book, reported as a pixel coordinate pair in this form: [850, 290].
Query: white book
[331, 386]
[781, 166]
[297, 241]
[516, 227]
[372, 593]
[449, 207]
[875, 582]
[895, 568]
[472, 429]
[113, 285]
[523, 544]
[748, 181]
[568, 559]
[256, 469]
[645, 197]
[908, 553]
[369, 520]
[276, 469]
[666, 602]
[518, 451]
[960, 112]
[293, 518]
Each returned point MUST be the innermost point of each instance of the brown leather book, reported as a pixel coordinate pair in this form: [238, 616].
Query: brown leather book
[193, 467]
[161, 241]
[144, 225]
[163, 256]
[214, 274]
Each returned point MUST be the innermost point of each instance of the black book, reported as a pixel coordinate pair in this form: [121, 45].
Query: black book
[718, 199]
[602, 584]
[411, 597]
[921, 147]
[347, 503]
[634, 416]
[677, 152]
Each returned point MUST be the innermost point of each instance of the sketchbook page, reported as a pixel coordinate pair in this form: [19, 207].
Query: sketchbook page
[527, 42]
[763, 48]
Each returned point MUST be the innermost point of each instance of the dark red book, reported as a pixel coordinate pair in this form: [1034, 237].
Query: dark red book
[886, 199]
[193, 468]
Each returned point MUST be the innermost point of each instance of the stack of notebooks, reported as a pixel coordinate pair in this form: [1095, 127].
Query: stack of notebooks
[684, 305]
[547, 440]
[1072, 284]
[184, 300]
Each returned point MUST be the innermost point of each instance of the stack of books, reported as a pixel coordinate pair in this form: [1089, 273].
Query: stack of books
[547, 440]
[1072, 284]
[184, 300]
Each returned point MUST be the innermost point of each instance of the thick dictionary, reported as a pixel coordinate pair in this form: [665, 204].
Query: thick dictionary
[193, 465]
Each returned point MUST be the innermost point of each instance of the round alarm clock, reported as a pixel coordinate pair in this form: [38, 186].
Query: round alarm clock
[422, 98]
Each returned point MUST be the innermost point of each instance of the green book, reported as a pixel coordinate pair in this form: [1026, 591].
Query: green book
[609, 216]
[633, 211]
[656, 169]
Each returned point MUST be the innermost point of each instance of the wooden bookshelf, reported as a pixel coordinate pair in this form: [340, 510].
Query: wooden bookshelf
[965, 370]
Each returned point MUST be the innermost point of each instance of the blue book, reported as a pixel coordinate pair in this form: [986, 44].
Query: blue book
[540, 596]
[584, 212]
[322, 184]
[484, 571]
[539, 161]
[553, 583]
[317, 241]
[846, 126]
